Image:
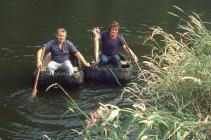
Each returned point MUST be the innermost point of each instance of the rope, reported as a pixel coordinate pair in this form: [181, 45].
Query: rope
[115, 77]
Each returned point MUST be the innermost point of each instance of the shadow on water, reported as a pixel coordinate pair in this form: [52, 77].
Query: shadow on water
[48, 115]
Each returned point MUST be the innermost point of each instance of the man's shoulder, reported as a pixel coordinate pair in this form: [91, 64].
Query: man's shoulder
[68, 42]
[70, 45]
[104, 33]
[50, 43]
[54, 40]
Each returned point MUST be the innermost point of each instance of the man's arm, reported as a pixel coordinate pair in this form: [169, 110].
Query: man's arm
[131, 53]
[82, 59]
[39, 55]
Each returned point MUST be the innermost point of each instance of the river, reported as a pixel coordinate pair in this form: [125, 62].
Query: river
[26, 25]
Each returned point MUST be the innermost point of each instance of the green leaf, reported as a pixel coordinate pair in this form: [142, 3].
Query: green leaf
[113, 114]
[127, 122]
[178, 136]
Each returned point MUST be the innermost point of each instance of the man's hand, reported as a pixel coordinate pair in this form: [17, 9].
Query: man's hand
[96, 32]
[87, 64]
[39, 64]
[135, 59]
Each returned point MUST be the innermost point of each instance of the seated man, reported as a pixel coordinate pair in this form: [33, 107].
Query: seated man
[60, 49]
[111, 41]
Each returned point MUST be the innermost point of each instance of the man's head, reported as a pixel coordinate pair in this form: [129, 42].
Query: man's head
[114, 24]
[61, 35]
[114, 29]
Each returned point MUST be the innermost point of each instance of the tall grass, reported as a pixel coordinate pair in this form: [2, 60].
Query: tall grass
[172, 95]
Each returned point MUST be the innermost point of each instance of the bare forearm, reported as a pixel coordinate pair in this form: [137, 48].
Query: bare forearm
[131, 53]
[81, 58]
[39, 54]
[128, 50]
[39, 58]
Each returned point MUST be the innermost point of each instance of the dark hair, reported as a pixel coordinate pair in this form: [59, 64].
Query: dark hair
[114, 24]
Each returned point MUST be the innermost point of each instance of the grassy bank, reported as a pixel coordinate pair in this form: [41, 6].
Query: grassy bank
[172, 95]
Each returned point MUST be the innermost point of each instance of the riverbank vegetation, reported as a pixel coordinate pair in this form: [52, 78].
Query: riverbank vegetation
[171, 98]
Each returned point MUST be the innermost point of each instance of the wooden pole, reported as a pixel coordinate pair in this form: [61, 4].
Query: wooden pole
[34, 90]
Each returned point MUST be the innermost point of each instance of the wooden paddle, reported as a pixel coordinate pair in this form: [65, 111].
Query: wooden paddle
[129, 50]
[34, 91]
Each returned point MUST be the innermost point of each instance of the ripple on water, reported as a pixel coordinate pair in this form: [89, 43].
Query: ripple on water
[43, 115]
[49, 114]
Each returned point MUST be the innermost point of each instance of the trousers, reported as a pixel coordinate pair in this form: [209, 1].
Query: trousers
[66, 66]
[114, 60]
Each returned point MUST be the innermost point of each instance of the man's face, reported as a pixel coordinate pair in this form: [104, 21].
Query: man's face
[61, 36]
[114, 31]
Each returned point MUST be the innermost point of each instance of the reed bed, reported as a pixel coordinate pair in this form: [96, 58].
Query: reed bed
[171, 98]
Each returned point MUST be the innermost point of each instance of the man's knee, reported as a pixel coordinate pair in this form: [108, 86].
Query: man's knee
[103, 59]
[68, 64]
[68, 67]
[116, 59]
[51, 65]
[51, 68]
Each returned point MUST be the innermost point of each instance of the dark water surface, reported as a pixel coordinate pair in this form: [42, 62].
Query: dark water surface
[27, 24]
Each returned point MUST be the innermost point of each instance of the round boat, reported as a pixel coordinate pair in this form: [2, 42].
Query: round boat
[108, 74]
[45, 80]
